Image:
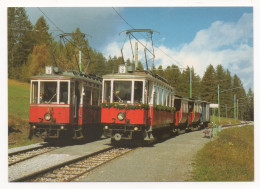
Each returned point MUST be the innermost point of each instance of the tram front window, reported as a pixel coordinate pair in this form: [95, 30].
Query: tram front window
[122, 91]
[48, 92]
[138, 92]
[107, 89]
[34, 92]
[64, 92]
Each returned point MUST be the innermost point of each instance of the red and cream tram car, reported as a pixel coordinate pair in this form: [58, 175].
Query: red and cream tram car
[65, 104]
[190, 114]
[136, 105]
[195, 114]
[141, 105]
[181, 114]
[205, 114]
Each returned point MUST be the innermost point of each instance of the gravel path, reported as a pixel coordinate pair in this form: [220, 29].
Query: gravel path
[170, 160]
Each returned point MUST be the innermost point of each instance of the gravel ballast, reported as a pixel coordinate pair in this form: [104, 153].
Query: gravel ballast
[55, 157]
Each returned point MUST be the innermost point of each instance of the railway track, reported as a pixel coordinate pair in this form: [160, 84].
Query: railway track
[23, 155]
[73, 170]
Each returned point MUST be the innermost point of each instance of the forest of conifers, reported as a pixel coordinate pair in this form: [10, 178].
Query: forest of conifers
[32, 47]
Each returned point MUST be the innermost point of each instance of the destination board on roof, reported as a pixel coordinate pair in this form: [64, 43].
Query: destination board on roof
[122, 69]
[48, 69]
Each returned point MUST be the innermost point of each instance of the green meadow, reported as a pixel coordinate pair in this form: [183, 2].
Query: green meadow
[228, 158]
[18, 114]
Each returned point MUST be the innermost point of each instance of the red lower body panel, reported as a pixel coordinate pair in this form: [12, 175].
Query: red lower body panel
[61, 114]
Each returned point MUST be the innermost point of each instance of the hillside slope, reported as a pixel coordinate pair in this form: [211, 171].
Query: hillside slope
[18, 113]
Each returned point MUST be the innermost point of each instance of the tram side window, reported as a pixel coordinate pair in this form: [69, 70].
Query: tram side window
[138, 91]
[63, 92]
[34, 92]
[168, 100]
[164, 98]
[160, 97]
[150, 92]
[48, 92]
[155, 96]
[184, 108]
[197, 108]
[107, 89]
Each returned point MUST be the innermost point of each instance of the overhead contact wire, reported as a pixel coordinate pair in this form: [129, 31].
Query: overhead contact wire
[143, 36]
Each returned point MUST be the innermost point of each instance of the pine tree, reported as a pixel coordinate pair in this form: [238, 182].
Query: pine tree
[153, 69]
[112, 64]
[73, 44]
[139, 66]
[173, 75]
[209, 88]
[12, 39]
[227, 97]
[20, 40]
[239, 92]
[41, 34]
[39, 58]
[183, 86]
[249, 107]
[220, 81]
[159, 71]
[59, 54]
[98, 64]
[196, 85]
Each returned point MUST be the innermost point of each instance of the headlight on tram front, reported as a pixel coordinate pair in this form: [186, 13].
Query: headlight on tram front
[121, 116]
[47, 116]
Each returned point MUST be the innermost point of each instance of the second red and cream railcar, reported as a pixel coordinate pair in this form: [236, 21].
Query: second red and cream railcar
[136, 105]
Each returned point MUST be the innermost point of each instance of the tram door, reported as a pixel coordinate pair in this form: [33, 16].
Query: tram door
[87, 102]
[74, 102]
[77, 101]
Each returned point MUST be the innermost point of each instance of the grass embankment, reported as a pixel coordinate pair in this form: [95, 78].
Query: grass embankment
[18, 114]
[228, 158]
[224, 120]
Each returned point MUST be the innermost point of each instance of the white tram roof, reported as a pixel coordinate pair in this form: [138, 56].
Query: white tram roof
[74, 75]
[140, 75]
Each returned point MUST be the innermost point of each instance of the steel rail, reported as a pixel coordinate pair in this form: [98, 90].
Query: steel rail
[75, 170]
[37, 174]
[20, 156]
[24, 149]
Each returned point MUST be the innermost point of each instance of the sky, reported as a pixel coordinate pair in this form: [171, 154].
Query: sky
[188, 36]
